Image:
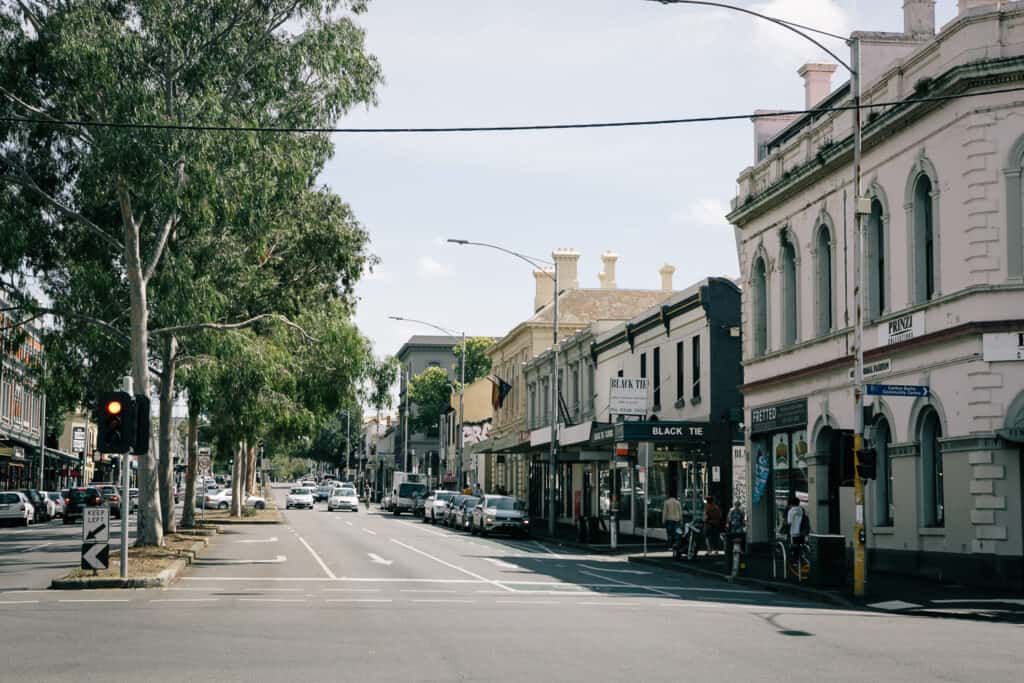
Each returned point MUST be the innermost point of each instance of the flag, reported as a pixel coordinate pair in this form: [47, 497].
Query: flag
[500, 389]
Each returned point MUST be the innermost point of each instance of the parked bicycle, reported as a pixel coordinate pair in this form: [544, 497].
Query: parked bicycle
[791, 561]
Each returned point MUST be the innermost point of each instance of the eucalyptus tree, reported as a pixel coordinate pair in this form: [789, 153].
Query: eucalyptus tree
[95, 209]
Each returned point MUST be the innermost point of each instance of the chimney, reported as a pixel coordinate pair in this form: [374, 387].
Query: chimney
[666, 272]
[607, 274]
[919, 18]
[545, 288]
[817, 82]
[767, 125]
[568, 267]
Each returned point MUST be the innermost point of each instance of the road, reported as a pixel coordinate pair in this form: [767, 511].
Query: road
[371, 597]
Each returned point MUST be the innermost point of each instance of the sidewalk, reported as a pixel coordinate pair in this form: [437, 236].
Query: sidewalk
[567, 536]
[885, 592]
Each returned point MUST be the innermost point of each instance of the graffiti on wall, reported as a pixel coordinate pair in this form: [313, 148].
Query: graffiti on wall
[475, 433]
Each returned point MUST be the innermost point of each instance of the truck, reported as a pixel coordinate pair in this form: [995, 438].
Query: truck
[408, 491]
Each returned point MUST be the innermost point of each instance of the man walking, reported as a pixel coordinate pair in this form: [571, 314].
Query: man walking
[671, 516]
[712, 522]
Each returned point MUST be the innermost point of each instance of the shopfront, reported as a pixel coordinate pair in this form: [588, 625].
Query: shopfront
[779, 463]
[15, 468]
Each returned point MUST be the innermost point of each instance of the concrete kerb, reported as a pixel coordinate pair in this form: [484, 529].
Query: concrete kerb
[805, 592]
[161, 580]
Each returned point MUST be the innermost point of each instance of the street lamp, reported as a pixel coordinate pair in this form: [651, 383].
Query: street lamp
[862, 207]
[539, 264]
[462, 389]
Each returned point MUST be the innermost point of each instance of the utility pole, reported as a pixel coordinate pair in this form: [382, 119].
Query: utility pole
[462, 414]
[42, 444]
[553, 455]
[128, 386]
[405, 424]
[862, 206]
[348, 452]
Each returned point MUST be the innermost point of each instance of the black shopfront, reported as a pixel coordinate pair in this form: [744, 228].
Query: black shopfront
[778, 460]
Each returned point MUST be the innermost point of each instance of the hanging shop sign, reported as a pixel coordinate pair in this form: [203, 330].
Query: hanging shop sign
[779, 416]
[628, 395]
[78, 440]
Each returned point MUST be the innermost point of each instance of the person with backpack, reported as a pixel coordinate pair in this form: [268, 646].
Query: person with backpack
[799, 528]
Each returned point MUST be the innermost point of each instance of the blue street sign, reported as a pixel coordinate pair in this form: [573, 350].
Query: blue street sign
[897, 390]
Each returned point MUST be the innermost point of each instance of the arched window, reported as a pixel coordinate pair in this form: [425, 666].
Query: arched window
[759, 282]
[924, 240]
[878, 274]
[1015, 212]
[884, 485]
[789, 284]
[825, 301]
[932, 494]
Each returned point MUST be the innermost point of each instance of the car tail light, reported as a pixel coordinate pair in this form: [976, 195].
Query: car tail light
[67, 501]
[114, 498]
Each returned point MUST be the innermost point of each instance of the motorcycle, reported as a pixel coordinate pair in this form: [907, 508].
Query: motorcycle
[688, 538]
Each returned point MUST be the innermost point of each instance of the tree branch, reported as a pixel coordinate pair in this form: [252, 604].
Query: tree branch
[196, 327]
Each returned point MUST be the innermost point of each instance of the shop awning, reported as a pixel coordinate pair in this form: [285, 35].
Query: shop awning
[568, 435]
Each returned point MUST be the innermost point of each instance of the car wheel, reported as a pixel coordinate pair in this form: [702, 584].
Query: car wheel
[260, 506]
[223, 506]
[24, 522]
[472, 529]
[483, 532]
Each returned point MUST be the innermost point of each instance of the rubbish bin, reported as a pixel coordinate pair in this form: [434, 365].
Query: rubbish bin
[828, 560]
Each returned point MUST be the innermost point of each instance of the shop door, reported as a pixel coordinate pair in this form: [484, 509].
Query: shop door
[840, 473]
[536, 490]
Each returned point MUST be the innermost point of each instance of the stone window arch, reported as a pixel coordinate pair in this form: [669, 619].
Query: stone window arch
[823, 252]
[1015, 211]
[922, 206]
[789, 282]
[759, 304]
[878, 264]
[885, 511]
[929, 431]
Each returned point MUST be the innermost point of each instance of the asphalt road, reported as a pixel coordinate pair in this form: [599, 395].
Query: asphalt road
[371, 597]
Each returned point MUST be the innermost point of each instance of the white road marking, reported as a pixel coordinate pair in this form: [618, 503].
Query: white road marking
[610, 604]
[433, 600]
[497, 584]
[627, 583]
[548, 551]
[505, 601]
[360, 600]
[272, 539]
[280, 559]
[616, 571]
[186, 600]
[499, 563]
[204, 589]
[377, 559]
[271, 599]
[435, 532]
[1011, 601]
[270, 590]
[96, 600]
[348, 523]
[894, 605]
[323, 565]
[426, 590]
[352, 590]
[370, 531]
[18, 602]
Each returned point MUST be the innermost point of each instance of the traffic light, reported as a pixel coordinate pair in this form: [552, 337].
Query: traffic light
[866, 462]
[116, 422]
[142, 426]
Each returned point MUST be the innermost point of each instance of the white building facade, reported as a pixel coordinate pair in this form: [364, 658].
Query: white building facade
[943, 305]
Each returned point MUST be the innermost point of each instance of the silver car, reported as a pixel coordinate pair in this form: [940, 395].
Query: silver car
[500, 514]
[342, 499]
[436, 506]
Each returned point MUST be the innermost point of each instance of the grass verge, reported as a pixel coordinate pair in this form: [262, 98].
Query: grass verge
[143, 561]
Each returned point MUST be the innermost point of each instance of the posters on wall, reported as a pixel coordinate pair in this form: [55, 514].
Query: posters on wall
[763, 469]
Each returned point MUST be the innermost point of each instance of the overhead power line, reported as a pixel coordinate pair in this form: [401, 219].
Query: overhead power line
[37, 120]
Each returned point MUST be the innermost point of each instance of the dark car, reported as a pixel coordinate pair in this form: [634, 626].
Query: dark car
[112, 497]
[79, 498]
[464, 513]
[453, 504]
[39, 503]
[500, 514]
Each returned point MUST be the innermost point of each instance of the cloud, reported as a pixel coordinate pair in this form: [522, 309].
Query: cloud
[432, 268]
[703, 211]
[785, 46]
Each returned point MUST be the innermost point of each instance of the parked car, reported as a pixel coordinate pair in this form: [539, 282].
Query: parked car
[133, 500]
[452, 507]
[299, 497]
[385, 502]
[323, 491]
[113, 498]
[307, 483]
[435, 506]
[51, 507]
[58, 502]
[38, 503]
[16, 507]
[221, 500]
[79, 498]
[343, 498]
[499, 514]
[464, 513]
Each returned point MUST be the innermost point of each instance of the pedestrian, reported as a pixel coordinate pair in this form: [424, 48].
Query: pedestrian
[671, 516]
[712, 521]
[737, 521]
[797, 527]
[478, 490]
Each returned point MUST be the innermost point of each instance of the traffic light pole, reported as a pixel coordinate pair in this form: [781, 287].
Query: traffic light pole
[859, 534]
[126, 497]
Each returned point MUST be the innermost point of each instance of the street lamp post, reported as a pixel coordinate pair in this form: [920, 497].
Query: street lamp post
[862, 207]
[553, 452]
[462, 391]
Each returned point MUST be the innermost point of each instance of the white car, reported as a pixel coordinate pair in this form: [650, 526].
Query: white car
[54, 503]
[221, 500]
[15, 506]
[299, 497]
[343, 498]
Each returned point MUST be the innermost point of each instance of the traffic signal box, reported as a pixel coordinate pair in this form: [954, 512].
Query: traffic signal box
[123, 423]
[867, 460]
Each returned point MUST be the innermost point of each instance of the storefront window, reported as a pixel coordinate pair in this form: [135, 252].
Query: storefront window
[788, 451]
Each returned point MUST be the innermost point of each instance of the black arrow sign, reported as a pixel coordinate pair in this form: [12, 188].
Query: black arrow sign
[95, 555]
[95, 532]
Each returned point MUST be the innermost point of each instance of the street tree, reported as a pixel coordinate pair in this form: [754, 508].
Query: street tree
[95, 211]
[431, 392]
[478, 363]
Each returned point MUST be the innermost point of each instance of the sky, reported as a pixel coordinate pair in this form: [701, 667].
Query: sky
[653, 195]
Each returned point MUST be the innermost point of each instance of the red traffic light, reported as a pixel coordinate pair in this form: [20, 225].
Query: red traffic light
[114, 407]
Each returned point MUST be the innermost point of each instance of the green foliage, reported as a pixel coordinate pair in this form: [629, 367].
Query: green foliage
[431, 391]
[478, 363]
[382, 375]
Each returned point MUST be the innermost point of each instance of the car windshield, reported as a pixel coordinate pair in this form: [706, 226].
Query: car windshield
[9, 498]
[470, 502]
[409, 490]
[300, 492]
[79, 494]
[444, 495]
[345, 492]
[505, 504]
[53, 495]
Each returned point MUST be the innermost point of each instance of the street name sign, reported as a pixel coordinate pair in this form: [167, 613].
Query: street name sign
[96, 525]
[95, 556]
[913, 390]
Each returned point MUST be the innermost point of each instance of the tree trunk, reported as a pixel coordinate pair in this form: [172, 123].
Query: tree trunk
[251, 471]
[170, 351]
[149, 527]
[236, 482]
[244, 476]
[188, 512]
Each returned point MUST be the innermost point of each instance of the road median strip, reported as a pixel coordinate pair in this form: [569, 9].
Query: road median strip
[148, 566]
